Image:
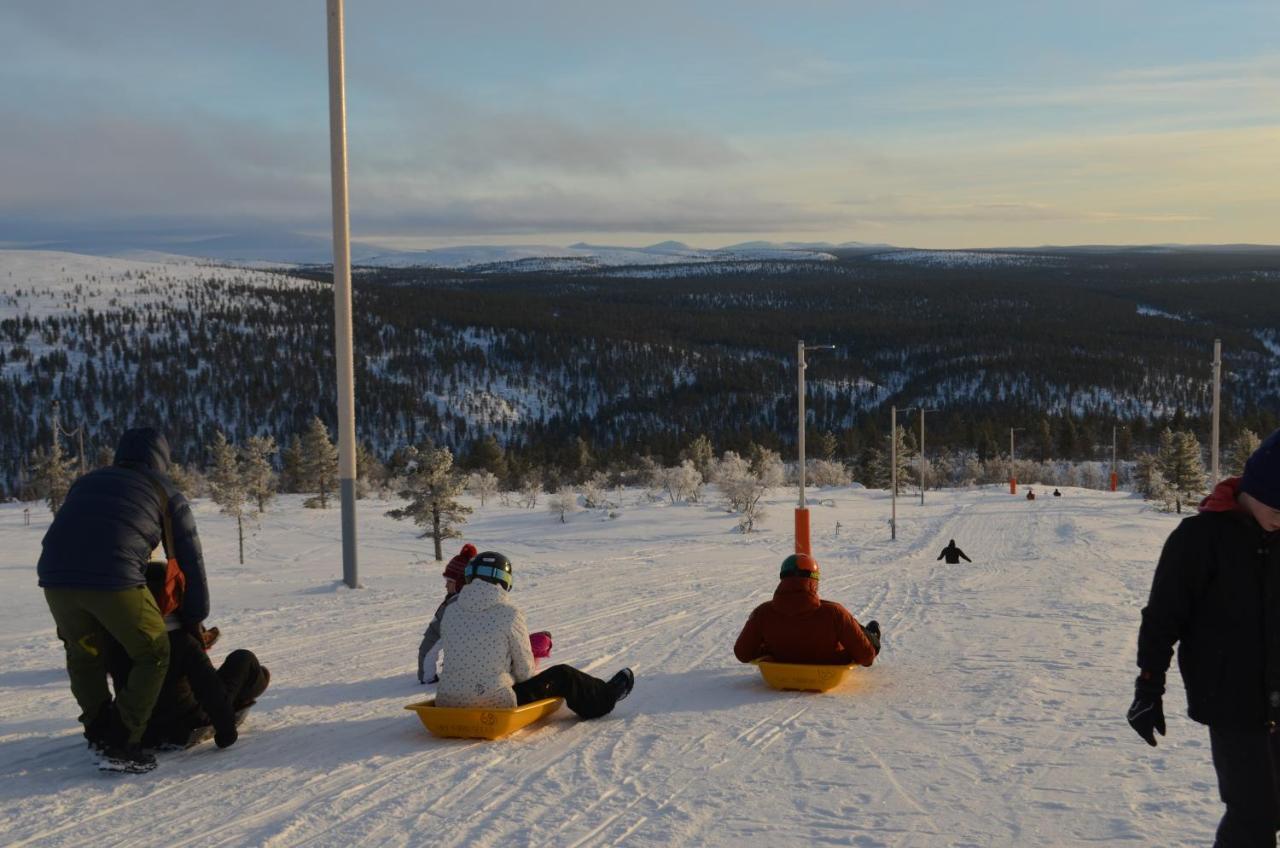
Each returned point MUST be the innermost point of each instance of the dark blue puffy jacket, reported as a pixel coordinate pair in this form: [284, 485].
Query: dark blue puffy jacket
[103, 535]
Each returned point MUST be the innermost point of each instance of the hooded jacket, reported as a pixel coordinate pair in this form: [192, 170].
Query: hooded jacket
[799, 627]
[485, 643]
[111, 520]
[1216, 594]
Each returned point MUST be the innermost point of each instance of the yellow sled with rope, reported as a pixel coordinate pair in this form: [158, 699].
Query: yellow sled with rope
[481, 722]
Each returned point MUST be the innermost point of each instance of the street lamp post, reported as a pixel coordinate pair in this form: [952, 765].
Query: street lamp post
[342, 292]
[922, 461]
[1013, 481]
[802, 510]
[1115, 461]
[893, 471]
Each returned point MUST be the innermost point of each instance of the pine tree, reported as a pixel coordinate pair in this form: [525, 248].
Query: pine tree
[52, 475]
[319, 467]
[1044, 439]
[291, 466]
[259, 476]
[1238, 452]
[1182, 465]
[431, 487]
[487, 455]
[227, 483]
[701, 454]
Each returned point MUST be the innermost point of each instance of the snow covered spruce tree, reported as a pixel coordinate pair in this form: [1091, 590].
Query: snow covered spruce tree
[1182, 466]
[52, 475]
[1238, 450]
[432, 486]
[291, 465]
[227, 483]
[259, 476]
[701, 454]
[318, 464]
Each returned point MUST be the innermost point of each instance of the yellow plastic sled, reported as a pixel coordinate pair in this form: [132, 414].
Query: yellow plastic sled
[481, 722]
[810, 678]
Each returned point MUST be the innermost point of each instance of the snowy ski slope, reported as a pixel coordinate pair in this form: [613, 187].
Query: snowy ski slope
[995, 717]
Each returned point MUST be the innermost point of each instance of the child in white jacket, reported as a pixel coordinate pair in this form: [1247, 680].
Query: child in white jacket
[487, 658]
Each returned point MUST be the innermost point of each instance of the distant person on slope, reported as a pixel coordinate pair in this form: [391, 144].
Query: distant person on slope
[953, 554]
[799, 627]
[196, 701]
[429, 647]
[1031, 494]
[1057, 494]
[1216, 593]
[487, 658]
[93, 571]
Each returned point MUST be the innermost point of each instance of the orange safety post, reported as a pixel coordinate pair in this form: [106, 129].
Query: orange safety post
[1013, 485]
[1115, 480]
[802, 532]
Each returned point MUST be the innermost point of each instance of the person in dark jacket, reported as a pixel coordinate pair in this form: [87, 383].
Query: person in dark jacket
[93, 572]
[1216, 593]
[195, 700]
[953, 554]
[799, 627]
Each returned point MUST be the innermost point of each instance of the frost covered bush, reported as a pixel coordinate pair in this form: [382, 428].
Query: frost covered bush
[744, 483]
[563, 503]
[482, 484]
[822, 472]
[682, 482]
[595, 492]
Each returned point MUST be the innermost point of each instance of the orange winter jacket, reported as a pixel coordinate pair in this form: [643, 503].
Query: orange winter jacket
[799, 627]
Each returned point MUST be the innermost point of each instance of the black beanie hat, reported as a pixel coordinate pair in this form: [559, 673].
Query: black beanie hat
[1262, 472]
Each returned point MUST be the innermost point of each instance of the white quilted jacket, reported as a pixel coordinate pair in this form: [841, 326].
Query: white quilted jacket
[485, 643]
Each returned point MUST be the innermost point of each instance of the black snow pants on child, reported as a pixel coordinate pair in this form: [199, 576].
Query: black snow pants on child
[589, 697]
[1247, 762]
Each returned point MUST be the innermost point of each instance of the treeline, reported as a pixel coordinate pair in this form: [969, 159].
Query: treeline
[570, 370]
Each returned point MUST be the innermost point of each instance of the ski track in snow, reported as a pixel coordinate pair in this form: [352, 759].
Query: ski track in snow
[994, 717]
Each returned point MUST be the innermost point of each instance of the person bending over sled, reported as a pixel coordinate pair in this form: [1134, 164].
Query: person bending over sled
[196, 701]
[487, 658]
[799, 627]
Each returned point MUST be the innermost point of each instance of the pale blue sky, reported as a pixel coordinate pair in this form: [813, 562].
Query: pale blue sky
[923, 123]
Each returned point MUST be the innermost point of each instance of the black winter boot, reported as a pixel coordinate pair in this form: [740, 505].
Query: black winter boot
[129, 759]
[621, 683]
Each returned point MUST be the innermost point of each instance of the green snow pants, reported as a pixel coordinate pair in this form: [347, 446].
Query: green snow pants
[130, 616]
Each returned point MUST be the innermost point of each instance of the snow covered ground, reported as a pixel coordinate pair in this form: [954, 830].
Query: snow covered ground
[994, 717]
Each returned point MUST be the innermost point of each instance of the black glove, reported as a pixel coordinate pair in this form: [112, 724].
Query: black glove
[872, 631]
[1146, 713]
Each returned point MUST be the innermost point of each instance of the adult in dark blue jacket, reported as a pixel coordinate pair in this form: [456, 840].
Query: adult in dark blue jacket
[93, 571]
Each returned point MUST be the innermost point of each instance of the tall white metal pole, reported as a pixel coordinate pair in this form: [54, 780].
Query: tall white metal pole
[1217, 399]
[342, 294]
[893, 471]
[800, 401]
